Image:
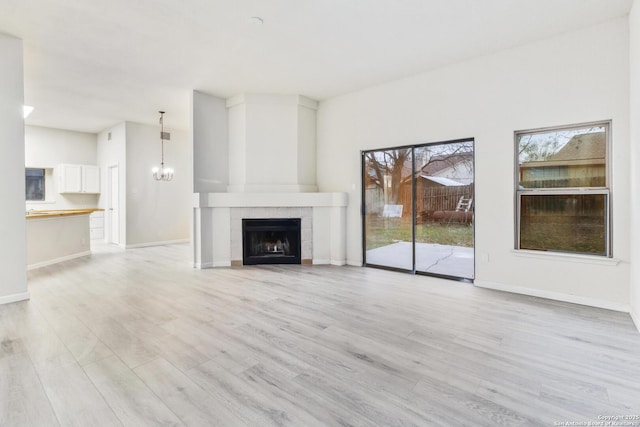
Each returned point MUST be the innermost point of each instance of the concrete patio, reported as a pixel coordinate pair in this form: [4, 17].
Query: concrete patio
[447, 260]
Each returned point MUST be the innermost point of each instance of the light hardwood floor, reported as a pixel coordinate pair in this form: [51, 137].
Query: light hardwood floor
[139, 338]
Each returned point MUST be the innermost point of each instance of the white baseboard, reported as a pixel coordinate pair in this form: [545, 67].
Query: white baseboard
[215, 264]
[354, 263]
[7, 299]
[203, 265]
[636, 319]
[556, 296]
[162, 243]
[339, 262]
[317, 261]
[57, 260]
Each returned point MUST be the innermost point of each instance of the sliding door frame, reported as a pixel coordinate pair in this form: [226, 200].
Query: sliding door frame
[363, 208]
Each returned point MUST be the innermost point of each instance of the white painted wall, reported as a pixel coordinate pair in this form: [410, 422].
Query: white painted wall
[209, 138]
[13, 249]
[47, 148]
[634, 92]
[272, 143]
[306, 161]
[113, 152]
[157, 211]
[237, 145]
[576, 77]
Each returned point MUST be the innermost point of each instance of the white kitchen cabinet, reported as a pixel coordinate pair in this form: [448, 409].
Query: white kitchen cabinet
[96, 225]
[78, 179]
[90, 179]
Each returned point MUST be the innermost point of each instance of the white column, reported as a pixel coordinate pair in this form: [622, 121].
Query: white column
[202, 240]
[634, 95]
[13, 250]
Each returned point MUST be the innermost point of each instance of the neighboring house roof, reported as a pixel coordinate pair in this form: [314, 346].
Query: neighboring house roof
[584, 149]
[445, 182]
[439, 163]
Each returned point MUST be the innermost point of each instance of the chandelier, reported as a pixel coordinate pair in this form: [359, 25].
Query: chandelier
[162, 173]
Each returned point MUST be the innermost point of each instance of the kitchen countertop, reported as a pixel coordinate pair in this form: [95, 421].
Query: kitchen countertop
[53, 213]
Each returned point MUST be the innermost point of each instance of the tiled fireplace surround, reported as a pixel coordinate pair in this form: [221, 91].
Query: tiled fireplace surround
[218, 225]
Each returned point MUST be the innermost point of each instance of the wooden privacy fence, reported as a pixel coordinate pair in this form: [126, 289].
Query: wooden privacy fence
[594, 181]
[428, 199]
[558, 205]
[432, 199]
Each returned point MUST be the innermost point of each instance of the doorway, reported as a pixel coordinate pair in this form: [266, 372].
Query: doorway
[418, 209]
[114, 205]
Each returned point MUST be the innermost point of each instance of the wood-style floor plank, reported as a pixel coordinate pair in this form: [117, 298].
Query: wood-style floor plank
[23, 400]
[138, 337]
[131, 400]
[191, 403]
[74, 398]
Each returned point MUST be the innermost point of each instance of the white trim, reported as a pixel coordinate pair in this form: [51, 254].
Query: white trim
[57, 260]
[354, 263]
[562, 256]
[556, 296]
[203, 265]
[40, 202]
[7, 299]
[221, 264]
[273, 188]
[266, 99]
[317, 261]
[161, 243]
[339, 262]
[636, 319]
[267, 200]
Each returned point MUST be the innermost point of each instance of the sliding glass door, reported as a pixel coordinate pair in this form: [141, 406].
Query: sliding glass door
[388, 219]
[418, 209]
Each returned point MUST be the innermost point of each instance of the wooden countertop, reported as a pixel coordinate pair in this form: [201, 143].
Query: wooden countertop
[54, 213]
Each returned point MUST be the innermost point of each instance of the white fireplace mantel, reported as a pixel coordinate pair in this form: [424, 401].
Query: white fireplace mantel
[216, 233]
[274, 200]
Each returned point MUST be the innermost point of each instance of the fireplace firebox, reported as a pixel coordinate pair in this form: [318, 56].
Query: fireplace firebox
[271, 241]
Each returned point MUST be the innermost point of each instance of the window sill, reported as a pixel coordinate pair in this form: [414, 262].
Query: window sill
[560, 256]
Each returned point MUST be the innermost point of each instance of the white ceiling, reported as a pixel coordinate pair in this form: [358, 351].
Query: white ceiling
[91, 64]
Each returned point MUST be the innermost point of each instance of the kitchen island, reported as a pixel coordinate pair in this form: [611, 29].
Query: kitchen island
[57, 235]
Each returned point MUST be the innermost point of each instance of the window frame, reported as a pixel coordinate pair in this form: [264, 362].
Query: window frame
[606, 190]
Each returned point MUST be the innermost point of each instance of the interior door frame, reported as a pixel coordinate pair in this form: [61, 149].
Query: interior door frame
[115, 168]
[413, 208]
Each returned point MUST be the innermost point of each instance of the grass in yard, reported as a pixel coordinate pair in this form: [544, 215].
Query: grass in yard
[385, 231]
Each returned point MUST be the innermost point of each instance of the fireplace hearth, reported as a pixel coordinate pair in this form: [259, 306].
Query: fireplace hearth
[271, 241]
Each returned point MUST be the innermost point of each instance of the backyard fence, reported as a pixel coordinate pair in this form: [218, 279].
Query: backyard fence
[428, 199]
[432, 199]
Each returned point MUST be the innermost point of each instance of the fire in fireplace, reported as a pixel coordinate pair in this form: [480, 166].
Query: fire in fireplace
[271, 241]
